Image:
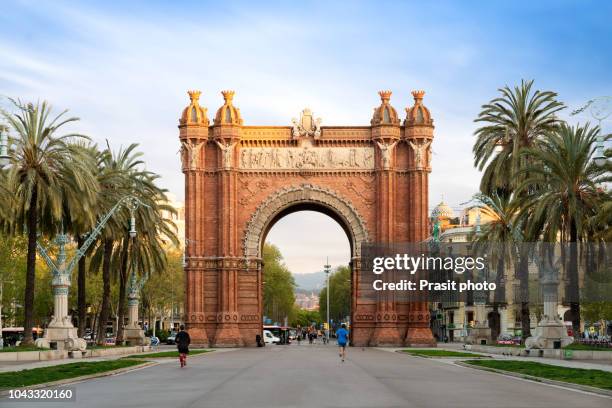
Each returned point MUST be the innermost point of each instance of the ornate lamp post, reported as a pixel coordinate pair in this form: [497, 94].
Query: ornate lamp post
[133, 333]
[4, 146]
[600, 109]
[60, 331]
[327, 269]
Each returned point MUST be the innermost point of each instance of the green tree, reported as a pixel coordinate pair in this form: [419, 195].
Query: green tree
[279, 285]
[46, 173]
[165, 290]
[514, 121]
[563, 189]
[339, 295]
[304, 318]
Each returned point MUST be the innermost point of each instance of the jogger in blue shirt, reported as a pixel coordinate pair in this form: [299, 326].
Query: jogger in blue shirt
[342, 336]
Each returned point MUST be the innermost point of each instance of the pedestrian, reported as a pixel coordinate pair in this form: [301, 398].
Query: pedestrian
[182, 343]
[342, 336]
[299, 335]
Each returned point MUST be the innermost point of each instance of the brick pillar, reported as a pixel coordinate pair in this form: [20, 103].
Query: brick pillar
[385, 135]
[226, 136]
[419, 136]
[193, 135]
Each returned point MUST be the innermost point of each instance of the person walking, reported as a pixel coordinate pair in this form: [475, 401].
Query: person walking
[182, 343]
[342, 336]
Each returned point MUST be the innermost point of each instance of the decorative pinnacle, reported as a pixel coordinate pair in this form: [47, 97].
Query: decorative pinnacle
[385, 96]
[194, 95]
[418, 95]
[228, 96]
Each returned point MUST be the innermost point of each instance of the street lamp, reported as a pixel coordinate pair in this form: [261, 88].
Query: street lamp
[327, 269]
[601, 109]
[4, 145]
[60, 328]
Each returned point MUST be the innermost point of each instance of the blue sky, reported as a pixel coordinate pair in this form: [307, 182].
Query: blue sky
[124, 68]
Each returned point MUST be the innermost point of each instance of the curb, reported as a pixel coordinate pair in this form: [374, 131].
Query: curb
[562, 384]
[442, 357]
[81, 378]
[136, 356]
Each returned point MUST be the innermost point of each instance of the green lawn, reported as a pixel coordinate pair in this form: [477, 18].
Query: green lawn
[167, 354]
[60, 372]
[578, 346]
[439, 353]
[21, 348]
[593, 378]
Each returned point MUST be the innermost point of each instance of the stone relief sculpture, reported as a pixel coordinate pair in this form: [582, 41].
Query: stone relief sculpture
[386, 150]
[271, 158]
[421, 158]
[228, 152]
[306, 126]
[190, 154]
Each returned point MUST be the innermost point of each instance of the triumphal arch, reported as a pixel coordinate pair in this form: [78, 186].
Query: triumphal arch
[240, 179]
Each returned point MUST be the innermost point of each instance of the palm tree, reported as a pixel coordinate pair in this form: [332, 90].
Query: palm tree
[114, 169]
[563, 189]
[514, 121]
[81, 221]
[45, 172]
[501, 236]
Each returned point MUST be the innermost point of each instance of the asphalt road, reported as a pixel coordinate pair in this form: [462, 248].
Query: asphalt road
[313, 376]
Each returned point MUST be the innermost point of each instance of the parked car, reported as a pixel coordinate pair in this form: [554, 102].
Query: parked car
[269, 338]
[171, 339]
[109, 341]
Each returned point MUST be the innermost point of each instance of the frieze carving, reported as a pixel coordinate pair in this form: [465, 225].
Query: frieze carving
[306, 158]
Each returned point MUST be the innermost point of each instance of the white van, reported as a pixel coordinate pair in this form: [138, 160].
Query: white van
[269, 338]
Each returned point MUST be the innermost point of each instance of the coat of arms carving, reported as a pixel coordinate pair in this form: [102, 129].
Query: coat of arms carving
[307, 126]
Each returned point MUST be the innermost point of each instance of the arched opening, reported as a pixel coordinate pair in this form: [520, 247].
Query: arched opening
[308, 236]
[305, 198]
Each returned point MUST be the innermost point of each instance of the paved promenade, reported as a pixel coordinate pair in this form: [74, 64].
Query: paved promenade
[313, 376]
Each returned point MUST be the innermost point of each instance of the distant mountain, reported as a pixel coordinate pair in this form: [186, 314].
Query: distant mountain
[310, 281]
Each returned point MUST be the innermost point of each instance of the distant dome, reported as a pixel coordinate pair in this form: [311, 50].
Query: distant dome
[228, 114]
[418, 114]
[442, 210]
[194, 114]
[385, 114]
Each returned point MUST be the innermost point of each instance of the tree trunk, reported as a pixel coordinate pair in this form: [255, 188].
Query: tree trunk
[123, 277]
[28, 306]
[573, 279]
[524, 291]
[106, 278]
[81, 291]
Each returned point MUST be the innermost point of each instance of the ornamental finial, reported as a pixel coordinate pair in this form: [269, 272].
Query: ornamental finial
[385, 96]
[228, 96]
[194, 95]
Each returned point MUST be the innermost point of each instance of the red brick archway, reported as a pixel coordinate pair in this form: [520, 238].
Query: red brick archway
[240, 180]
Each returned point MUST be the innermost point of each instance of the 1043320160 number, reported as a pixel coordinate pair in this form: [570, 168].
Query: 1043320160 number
[55, 394]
